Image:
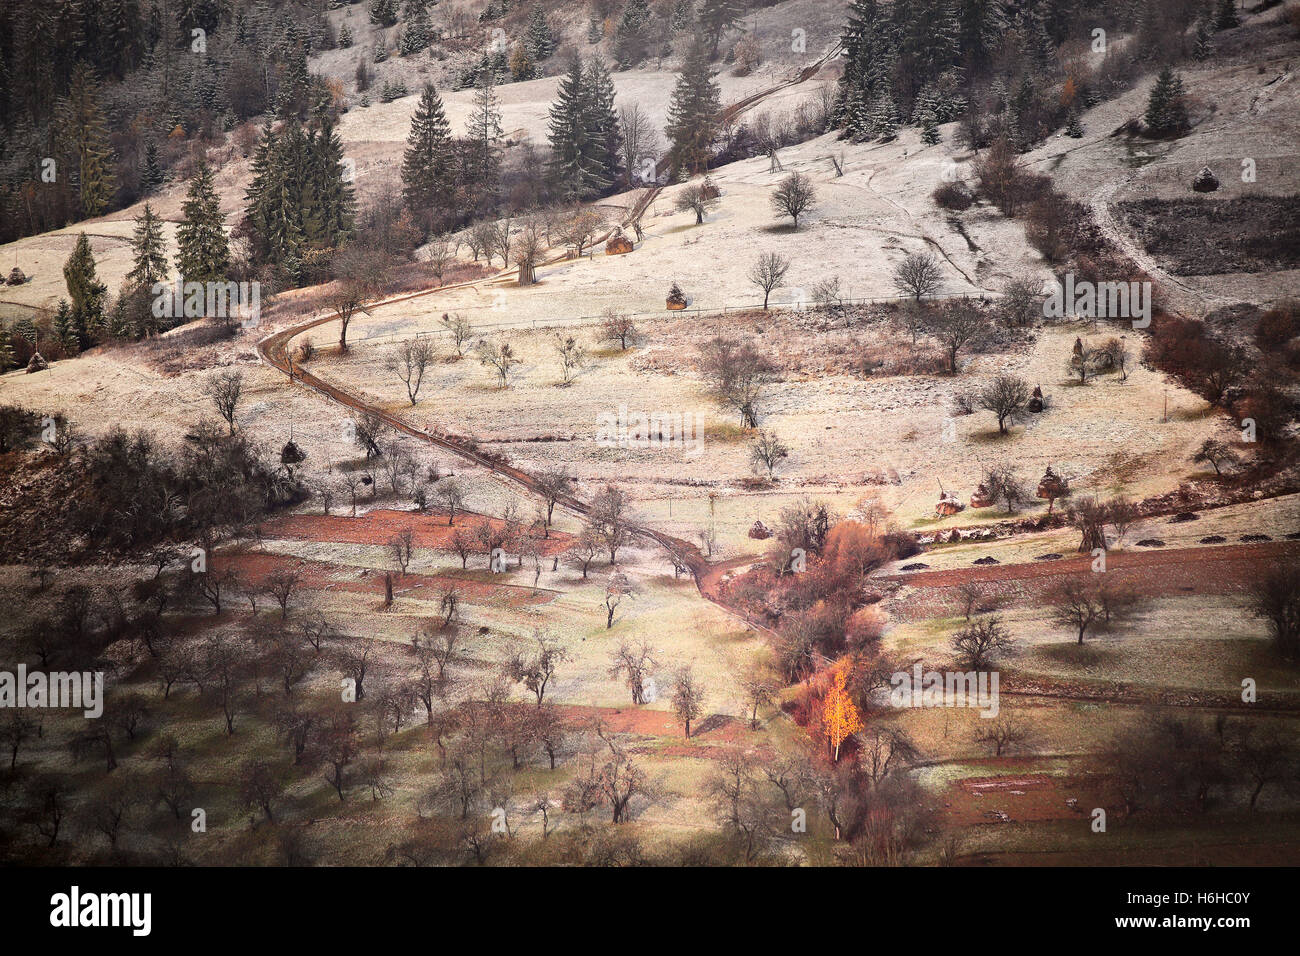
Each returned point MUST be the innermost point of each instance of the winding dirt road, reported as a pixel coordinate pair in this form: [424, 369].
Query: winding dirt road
[275, 351]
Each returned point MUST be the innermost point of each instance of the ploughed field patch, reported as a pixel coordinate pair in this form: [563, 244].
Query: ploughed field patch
[1200, 237]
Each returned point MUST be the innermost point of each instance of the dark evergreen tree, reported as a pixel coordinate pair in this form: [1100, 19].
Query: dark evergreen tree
[1226, 17]
[1203, 45]
[383, 13]
[428, 176]
[869, 56]
[682, 16]
[575, 148]
[1166, 113]
[331, 198]
[85, 143]
[884, 117]
[202, 249]
[631, 39]
[151, 174]
[604, 118]
[693, 113]
[715, 18]
[148, 250]
[417, 32]
[64, 329]
[87, 294]
[929, 128]
[484, 134]
[539, 39]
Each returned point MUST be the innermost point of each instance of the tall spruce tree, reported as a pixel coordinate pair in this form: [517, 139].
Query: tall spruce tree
[428, 178]
[300, 204]
[575, 146]
[148, 250]
[151, 174]
[328, 182]
[1166, 113]
[715, 18]
[203, 251]
[631, 37]
[604, 118]
[869, 54]
[539, 39]
[693, 113]
[485, 135]
[86, 292]
[682, 16]
[417, 32]
[64, 329]
[85, 141]
[884, 117]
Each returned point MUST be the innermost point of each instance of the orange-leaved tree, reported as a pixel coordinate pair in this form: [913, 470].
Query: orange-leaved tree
[840, 718]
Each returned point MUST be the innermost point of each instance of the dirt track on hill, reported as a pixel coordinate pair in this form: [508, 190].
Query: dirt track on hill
[275, 351]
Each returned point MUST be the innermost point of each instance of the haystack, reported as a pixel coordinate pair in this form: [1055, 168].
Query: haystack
[1205, 181]
[1052, 485]
[16, 276]
[948, 505]
[676, 298]
[617, 245]
[37, 364]
[1036, 400]
[759, 531]
[981, 498]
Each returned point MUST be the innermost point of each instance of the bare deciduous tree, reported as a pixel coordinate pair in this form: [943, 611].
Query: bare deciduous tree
[1073, 604]
[555, 484]
[1006, 397]
[399, 546]
[529, 248]
[795, 196]
[1217, 454]
[918, 275]
[460, 329]
[979, 642]
[441, 255]
[451, 496]
[572, 355]
[767, 452]
[281, 584]
[737, 373]
[579, 227]
[225, 389]
[1275, 597]
[617, 327]
[767, 272]
[618, 587]
[635, 665]
[609, 519]
[536, 670]
[688, 698]
[1001, 734]
[697, 198]
[410, 361]
[501, 357]
[1004, 484]
[957, 324]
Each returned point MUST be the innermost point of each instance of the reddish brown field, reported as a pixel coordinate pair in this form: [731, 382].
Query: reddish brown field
[1161, 573]
[378, 527]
